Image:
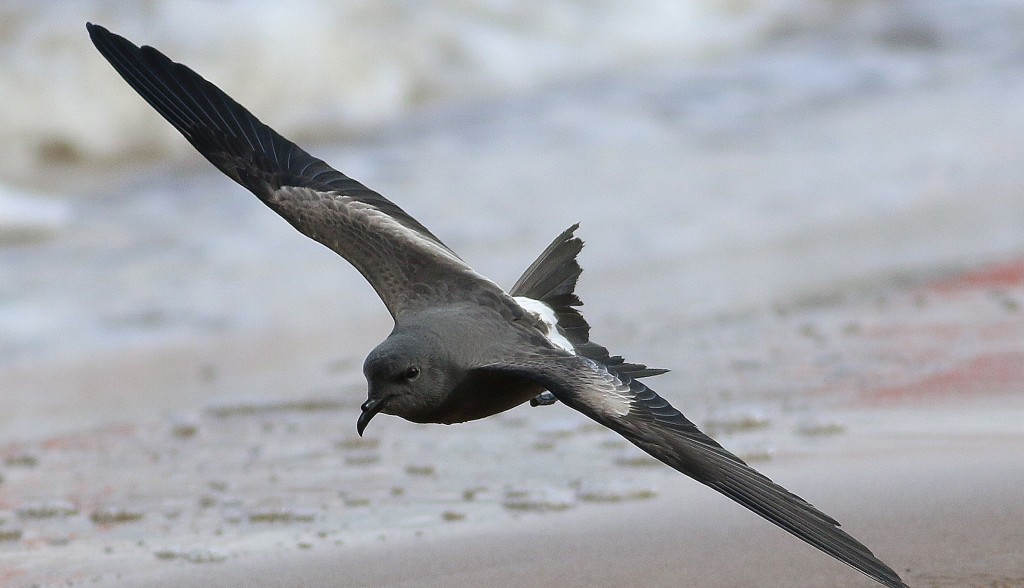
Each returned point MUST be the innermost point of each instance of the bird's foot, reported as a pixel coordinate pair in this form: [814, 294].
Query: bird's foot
[543, 399]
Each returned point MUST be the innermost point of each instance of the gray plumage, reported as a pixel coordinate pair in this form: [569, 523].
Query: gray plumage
[462, 348]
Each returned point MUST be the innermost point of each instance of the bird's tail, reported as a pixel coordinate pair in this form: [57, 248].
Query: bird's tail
[551, 279]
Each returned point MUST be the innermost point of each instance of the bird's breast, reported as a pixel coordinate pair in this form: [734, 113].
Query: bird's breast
[482, 393]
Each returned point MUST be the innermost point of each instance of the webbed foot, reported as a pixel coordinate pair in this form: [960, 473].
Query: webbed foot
[543, 399]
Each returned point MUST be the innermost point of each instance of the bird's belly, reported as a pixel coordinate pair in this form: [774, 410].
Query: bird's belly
[482, 395]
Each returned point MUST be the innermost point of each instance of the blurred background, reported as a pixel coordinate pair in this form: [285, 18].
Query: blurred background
[730, 161]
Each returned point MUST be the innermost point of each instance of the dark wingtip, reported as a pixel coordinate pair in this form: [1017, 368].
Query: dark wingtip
[96, 32]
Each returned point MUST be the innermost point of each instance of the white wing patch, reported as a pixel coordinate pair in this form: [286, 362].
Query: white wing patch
[547, 316]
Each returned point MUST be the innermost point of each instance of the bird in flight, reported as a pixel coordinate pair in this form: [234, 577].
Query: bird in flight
[462, 347]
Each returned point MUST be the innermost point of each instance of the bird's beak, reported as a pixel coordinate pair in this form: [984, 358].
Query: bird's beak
[370, 408]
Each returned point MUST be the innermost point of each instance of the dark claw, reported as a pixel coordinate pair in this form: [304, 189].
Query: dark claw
[543, 399]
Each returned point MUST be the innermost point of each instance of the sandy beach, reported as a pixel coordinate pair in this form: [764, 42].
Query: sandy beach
[811, 212]
[927, 473]
[922, 509]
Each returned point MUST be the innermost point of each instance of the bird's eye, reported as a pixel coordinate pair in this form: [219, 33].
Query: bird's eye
[411, 373]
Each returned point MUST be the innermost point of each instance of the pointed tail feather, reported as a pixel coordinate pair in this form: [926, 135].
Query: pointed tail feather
[551, 279]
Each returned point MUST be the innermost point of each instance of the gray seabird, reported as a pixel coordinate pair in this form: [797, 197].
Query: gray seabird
[462, 347]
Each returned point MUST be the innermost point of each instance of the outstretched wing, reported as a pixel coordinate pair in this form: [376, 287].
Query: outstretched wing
[636, 412]
[407, 265]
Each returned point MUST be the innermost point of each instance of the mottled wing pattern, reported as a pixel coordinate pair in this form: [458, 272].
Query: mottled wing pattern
[636, 412]
[394, 252]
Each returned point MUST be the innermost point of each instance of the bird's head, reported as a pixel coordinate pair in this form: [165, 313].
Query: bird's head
[406, 376]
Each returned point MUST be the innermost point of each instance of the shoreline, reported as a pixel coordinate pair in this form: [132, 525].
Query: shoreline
[933, 506]
[916, 446]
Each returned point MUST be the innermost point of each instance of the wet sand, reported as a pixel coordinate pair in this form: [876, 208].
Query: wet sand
[908, 430]
[945, 515]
